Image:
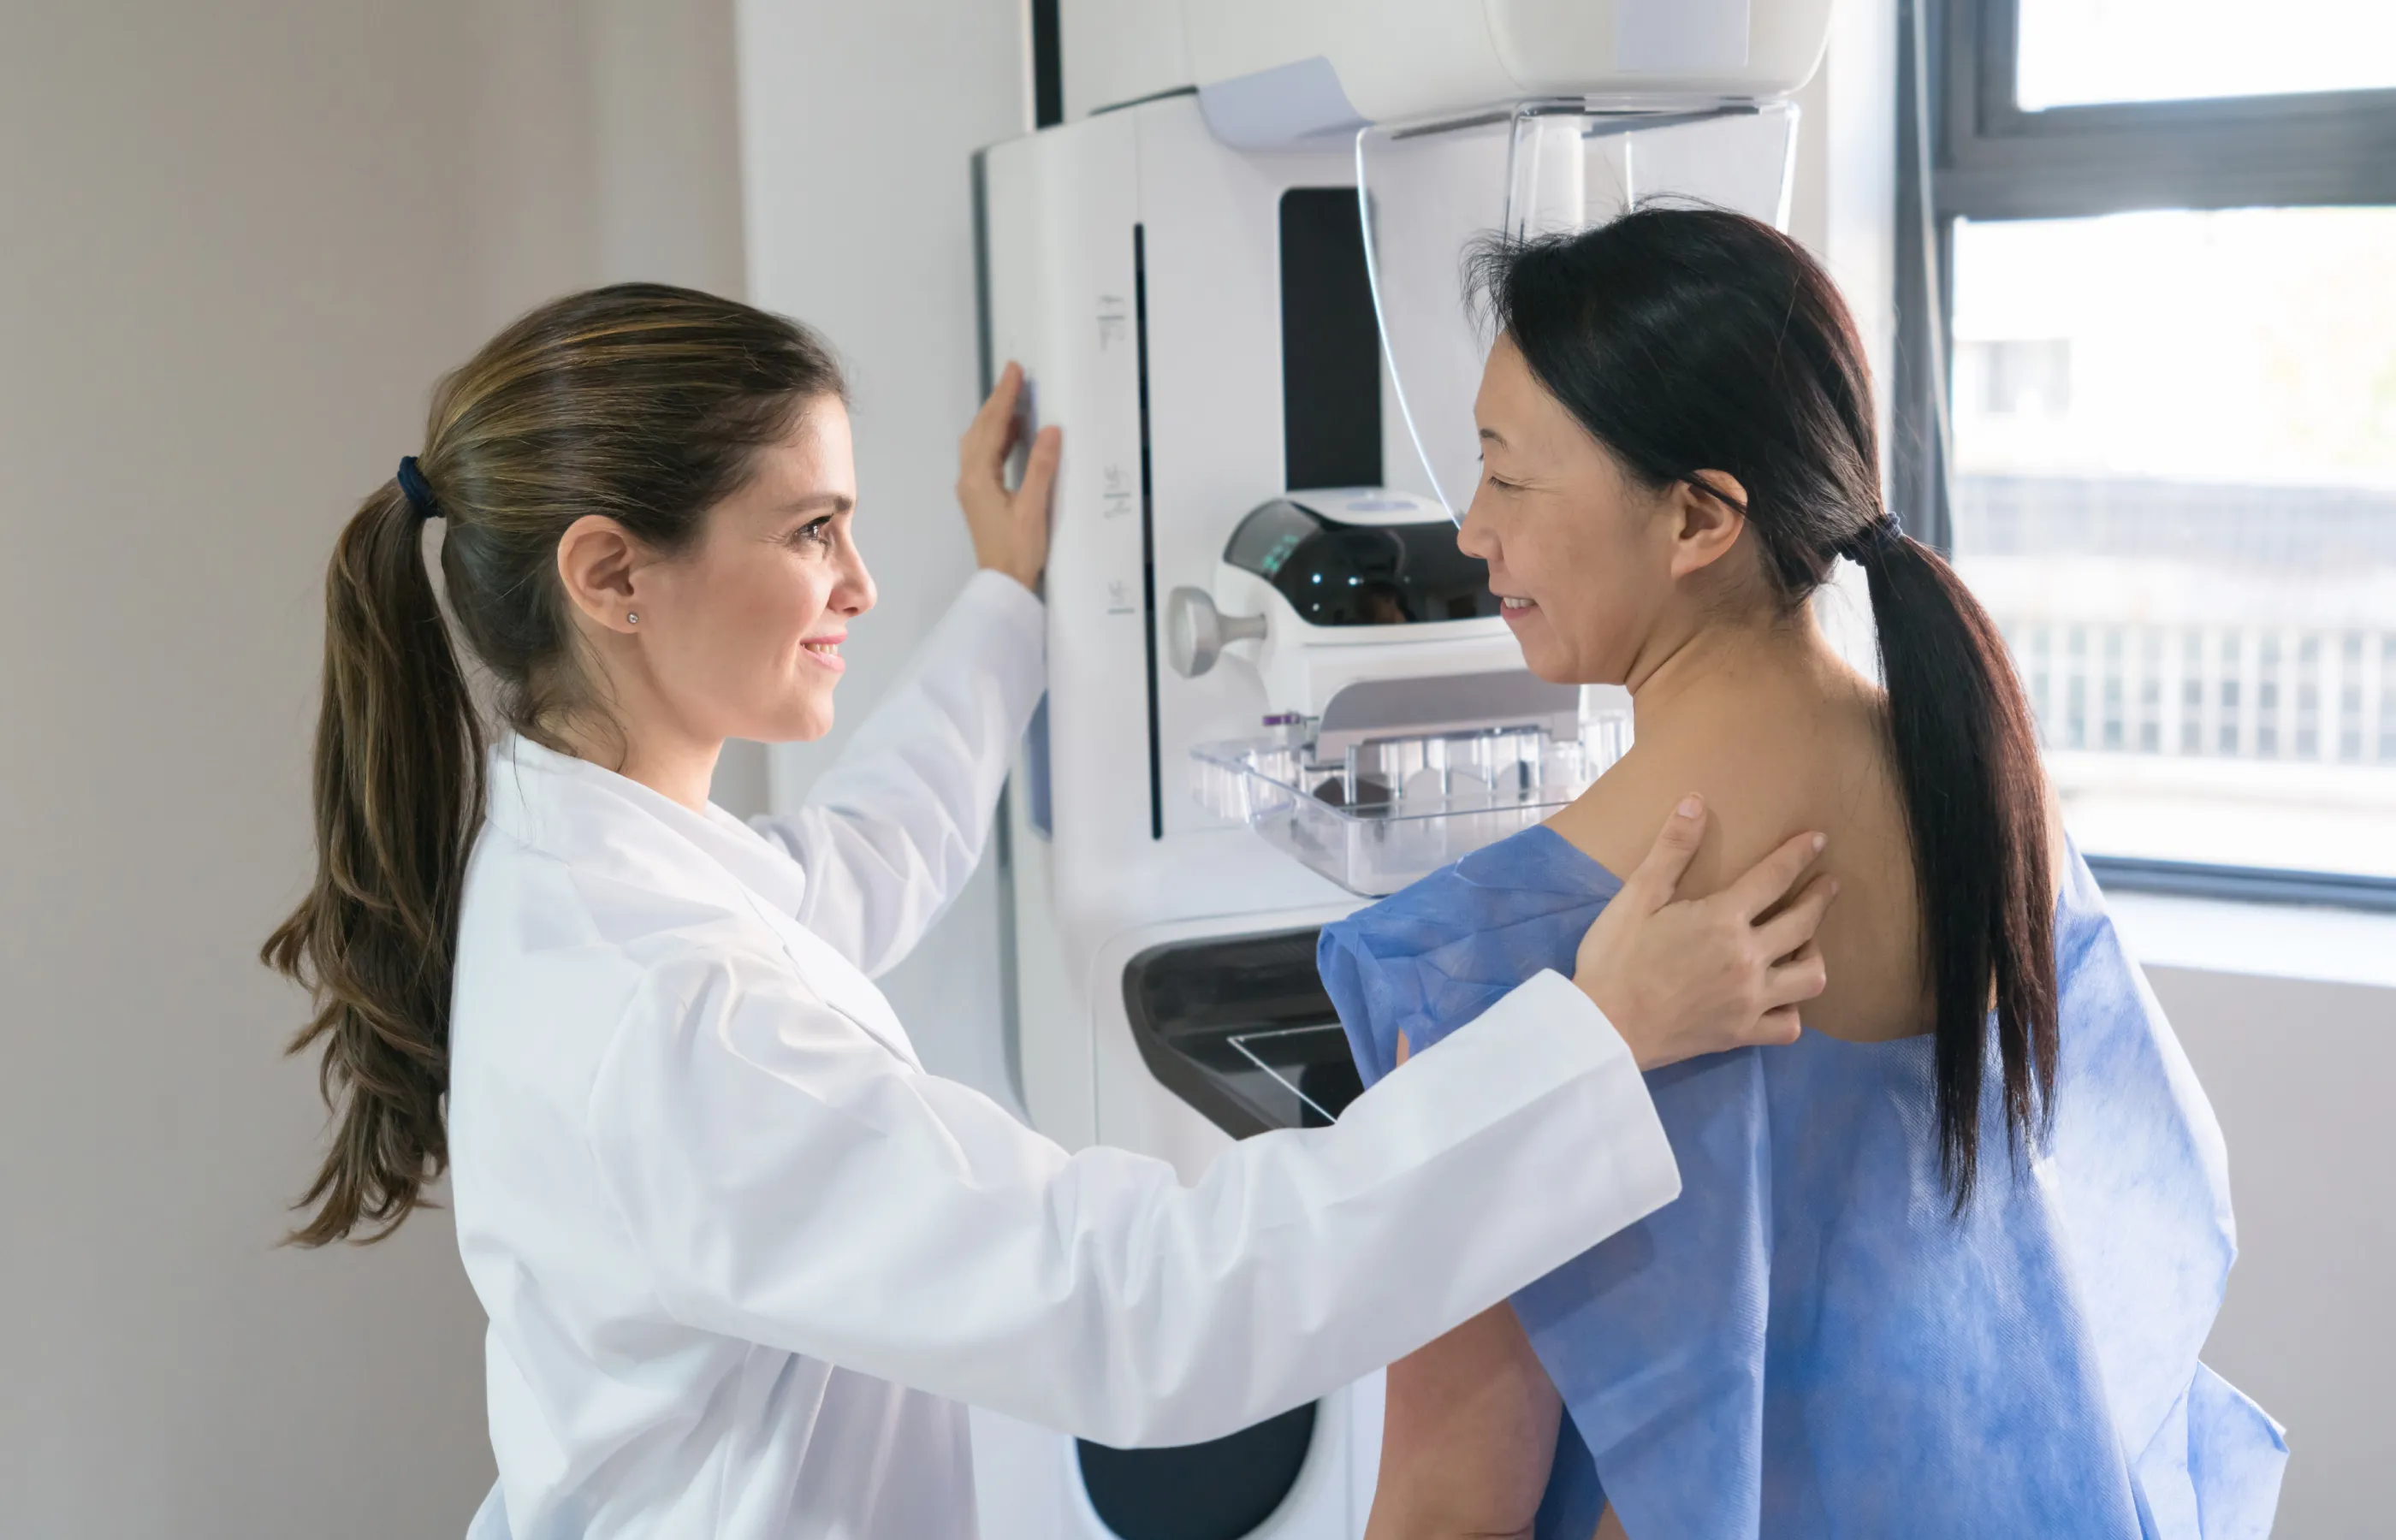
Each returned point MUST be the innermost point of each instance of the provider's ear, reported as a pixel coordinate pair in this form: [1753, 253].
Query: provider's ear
[1709, 513]
[598, 561]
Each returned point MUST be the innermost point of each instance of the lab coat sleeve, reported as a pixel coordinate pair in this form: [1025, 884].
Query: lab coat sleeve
[895, 824]
[793, 1183]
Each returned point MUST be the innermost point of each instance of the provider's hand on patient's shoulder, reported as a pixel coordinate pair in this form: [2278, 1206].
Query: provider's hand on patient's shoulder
[1010, 528]
[1680, 978]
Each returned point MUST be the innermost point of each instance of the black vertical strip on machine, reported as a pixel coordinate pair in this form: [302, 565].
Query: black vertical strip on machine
[1047, 67]
[1330, 343]
[1147, 533]
[985, 367]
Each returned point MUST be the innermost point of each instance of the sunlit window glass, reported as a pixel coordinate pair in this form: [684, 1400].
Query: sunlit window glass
[2081, 52]
[2176, 489]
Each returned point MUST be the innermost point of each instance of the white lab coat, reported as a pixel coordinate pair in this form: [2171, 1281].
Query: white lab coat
[745, 1261]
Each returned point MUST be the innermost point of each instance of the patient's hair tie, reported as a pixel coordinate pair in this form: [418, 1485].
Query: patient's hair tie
[418, 491]
[1875, 539]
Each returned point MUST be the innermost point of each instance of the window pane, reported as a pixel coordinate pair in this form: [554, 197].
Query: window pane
[2176, 490]
[2074, 52]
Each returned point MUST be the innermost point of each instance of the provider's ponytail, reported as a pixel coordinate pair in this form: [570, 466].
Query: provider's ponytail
[398, 793]
[639, 403]
[1687, 340]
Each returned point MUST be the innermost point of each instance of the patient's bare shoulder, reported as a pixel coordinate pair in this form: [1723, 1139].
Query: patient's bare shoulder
[1771, 769]
[1616, 819]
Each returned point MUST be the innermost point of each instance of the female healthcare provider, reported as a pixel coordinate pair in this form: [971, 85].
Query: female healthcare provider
[743, 1258]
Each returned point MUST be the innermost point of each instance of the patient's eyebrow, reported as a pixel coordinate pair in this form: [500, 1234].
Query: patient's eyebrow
[1491, 435]
[839, 502]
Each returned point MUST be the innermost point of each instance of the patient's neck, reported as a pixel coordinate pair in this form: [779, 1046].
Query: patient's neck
[1779, 735]
[1749, 673]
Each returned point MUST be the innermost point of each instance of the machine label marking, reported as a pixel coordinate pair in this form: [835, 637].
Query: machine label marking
[1116, 498]
[1115, 321]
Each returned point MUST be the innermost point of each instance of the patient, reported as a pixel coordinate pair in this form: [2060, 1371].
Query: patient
[1941, 1267]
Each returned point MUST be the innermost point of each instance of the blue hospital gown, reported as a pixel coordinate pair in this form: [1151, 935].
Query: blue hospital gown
[1807, 1342]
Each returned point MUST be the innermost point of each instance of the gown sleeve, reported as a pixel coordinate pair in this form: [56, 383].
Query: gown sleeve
[791, 1183]
[892, 829]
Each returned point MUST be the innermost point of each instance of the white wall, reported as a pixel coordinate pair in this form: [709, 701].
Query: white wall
[237, 242]
[859, 126]
[2299, 1073]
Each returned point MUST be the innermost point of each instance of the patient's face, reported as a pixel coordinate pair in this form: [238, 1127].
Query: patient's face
[1580, 553]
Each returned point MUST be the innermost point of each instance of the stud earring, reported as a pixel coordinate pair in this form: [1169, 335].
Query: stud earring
[632, 618]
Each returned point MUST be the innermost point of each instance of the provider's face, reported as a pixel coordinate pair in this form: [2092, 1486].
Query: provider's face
[1580, 553]
[750, 623]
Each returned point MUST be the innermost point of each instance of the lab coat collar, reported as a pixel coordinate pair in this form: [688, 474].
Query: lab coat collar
[590, 817]
[597, 821]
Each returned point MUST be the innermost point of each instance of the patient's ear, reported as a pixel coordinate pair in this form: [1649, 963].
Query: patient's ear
[1707, 511]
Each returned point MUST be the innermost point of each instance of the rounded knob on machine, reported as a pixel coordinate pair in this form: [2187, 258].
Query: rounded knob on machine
[1196, 631]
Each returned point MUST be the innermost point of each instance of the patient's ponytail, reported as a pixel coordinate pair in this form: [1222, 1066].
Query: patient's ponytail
[640, 403]
[1687, 340]
[1966, 753]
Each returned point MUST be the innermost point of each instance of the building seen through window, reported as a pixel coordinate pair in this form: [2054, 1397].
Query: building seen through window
[2175, 486]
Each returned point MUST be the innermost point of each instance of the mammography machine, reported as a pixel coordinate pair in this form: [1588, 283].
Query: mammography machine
[1276, 687]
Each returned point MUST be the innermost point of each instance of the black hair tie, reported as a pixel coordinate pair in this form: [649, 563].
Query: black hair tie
[1875, 539]
[418, 491]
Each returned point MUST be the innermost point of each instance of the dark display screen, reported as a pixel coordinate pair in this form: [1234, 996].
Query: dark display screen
[1336, 574]
[1330, 343]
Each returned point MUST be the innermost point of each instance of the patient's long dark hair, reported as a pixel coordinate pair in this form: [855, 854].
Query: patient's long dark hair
[1687, 340]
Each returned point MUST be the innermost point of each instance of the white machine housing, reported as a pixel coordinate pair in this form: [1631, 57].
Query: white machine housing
[1320, 66]
[1137, 227]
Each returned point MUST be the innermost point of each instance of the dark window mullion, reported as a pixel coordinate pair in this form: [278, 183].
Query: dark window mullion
[2265, 117]
[1994, 69]
[2075, 181]
[1918, 490]
[2203, 164]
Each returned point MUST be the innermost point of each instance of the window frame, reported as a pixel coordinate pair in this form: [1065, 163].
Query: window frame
[1967, 150]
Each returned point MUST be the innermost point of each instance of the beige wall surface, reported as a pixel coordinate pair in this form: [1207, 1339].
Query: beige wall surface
[237, 244]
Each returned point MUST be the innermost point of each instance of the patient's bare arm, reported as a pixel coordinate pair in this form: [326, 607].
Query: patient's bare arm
[1468, 1435]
